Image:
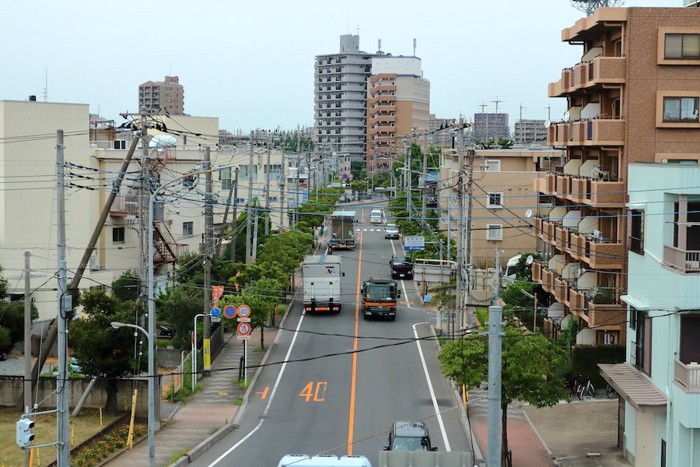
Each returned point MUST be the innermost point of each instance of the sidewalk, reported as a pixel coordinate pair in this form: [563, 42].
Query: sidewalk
[186, 425]
[576, 434]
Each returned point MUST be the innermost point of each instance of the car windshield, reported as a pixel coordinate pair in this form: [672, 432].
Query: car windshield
[408, 444]
[400, 259]
[379, 292]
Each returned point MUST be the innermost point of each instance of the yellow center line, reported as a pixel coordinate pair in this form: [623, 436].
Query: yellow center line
[353, 377]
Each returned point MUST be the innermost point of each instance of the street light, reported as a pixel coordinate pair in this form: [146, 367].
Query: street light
[151, 387]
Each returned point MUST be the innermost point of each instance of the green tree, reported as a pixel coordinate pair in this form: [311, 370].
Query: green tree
[103, 351]
[262, 297]
[12, 318]
[5, 340]
[127, 286]
[533, 369]
[178, 307]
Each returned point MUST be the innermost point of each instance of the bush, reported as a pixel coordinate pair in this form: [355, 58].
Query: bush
[5, 339]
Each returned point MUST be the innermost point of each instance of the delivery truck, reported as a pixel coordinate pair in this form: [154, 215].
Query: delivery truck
[342, 230]
[321, 276]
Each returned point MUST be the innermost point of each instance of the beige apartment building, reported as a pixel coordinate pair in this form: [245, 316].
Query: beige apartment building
[503, 203]
[398, 109]
[94, 151]
[633, 97]
[168, 95]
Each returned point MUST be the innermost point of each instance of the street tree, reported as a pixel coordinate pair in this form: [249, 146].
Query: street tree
[103, 351]
[262, 297]
[533, 369]
[178, 306]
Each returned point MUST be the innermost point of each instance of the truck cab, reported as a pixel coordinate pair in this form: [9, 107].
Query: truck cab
[379, 298]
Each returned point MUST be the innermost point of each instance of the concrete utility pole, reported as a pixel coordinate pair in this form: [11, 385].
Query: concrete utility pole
[494, 387]
[62, 385]
[267, 187]
[234, 225]
[208, 240]
[425, 186]
[471, 154]
[255, 237]
[145, 193]
[461, 271]
[27, 346]
[249, 211]
[282, 183]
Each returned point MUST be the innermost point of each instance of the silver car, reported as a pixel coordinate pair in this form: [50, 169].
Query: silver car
[391, 231]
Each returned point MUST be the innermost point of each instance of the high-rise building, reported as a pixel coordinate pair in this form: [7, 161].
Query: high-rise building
[340, 95]
[530, 131]
[168, 95]
[398, 109]
[620, 244]
[489, 126]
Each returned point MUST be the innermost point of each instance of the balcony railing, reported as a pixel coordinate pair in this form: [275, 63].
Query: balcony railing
[681, 260]
[545, 184]
[600, 254]
[606, 70]
[604, 316]
[687, 376]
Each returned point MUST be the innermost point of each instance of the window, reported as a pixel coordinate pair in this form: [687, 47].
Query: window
[225, 177]
[641, 347]
[682, 46]
[118, 234]
[188, 229]
[245, 170]
[636, 240]
[492, 165]
[495, 200]
[494, 232]
[680, 109]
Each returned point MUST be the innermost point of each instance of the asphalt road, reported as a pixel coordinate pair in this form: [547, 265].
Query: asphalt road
[335, 383]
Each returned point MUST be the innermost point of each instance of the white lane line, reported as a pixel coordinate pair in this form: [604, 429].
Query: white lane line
[272, 394]
[432, 392]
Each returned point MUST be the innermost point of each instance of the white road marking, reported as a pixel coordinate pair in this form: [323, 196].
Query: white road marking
[272, 394]
[432, 392]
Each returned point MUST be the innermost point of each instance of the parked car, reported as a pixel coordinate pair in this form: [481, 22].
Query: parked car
[406, 435]
[391, 231]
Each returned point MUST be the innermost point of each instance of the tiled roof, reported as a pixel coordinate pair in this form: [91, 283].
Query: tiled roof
[634, 386]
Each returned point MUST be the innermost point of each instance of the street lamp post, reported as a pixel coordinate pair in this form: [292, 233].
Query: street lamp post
[151, 385]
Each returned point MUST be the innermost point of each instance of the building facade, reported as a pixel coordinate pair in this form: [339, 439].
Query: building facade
[168, 95]
[340, 96]
[490, 126]
[659, 383]
[398, 109]
[633, 97]
[529, 132]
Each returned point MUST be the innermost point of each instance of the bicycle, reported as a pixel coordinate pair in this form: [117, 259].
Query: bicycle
[610, 392]
[586, 390]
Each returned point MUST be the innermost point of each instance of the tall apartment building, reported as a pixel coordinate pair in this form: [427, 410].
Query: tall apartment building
[632, 97]
[340, 96]
[398, 108]
[168, 94]
[530, 131]
[490, 126]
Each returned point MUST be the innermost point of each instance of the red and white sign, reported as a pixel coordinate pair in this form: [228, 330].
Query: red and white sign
[244, 329]
[243, 311]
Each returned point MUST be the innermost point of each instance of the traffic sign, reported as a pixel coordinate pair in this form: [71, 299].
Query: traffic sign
[230, 311]
[215, 312]
[414, 242]
[244, 329]
[243, 311]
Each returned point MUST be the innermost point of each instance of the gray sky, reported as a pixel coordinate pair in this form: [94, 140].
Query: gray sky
[251, 63]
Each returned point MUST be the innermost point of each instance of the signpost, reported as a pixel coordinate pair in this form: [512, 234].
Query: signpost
[244, 329]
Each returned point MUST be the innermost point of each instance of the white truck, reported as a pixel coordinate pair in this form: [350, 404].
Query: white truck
[322, 277]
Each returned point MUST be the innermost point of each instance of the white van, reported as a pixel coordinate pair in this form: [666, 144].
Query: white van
[301, 460]
[376, 216]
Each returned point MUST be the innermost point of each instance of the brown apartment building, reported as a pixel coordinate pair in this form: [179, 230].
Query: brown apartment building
[633, 97]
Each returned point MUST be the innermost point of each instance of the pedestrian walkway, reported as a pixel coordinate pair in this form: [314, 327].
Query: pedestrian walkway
[204, 412]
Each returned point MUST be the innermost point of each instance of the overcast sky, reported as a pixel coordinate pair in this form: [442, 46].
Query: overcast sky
[251, 63]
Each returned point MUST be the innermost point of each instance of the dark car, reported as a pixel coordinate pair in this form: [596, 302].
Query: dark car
[406, 435]
[401, 267]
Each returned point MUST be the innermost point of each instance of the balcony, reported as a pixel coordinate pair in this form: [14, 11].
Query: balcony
[537, 268]
[597, 192]
[681, 260]
[562, 185]
[561, 290]
[561, 87]
[577, 302]
[600, 254]
[548, 280]
[604, 316]
[577, 246]
[594, 132]
[606, 70]
[579, 76]
[548, 231]
[546, 184]
[558, 134]
[687, 376]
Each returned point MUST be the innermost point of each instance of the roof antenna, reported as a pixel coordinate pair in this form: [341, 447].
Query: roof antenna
[414, 46]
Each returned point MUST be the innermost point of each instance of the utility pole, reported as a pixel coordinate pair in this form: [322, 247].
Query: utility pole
[249, 211]
[425, 185]
[208, 240]
[460, 302]
[62, 389]
[282, 182]
[494, 385]
[234, 222]
[145, 191]
[27, 346]
[471, 154]
[255, 237]
[268, 214]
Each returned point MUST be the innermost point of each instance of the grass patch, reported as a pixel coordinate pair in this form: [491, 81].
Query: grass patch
[238, 400]
[81, 428]
[242, 384]
[482, 314]
[177, 456]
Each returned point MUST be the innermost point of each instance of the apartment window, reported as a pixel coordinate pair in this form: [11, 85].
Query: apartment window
[118, 234]
[225, 178]
[188, 229]
[686, 221]
[494, 232]
[636, 240]
[682, 46]
[495, 200]
[492, 165]
[641, 346]
[681, 109]
[247, 172]
[275, 171]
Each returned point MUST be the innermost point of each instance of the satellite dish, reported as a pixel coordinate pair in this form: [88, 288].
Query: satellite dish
[529, 260]
[528, 213]
[547, 123]
[567, 116]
